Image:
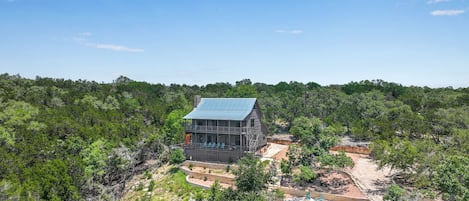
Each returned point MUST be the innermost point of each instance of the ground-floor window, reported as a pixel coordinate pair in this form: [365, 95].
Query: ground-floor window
[234, 140]
[200, 138]
[211, 138]
[224, 139]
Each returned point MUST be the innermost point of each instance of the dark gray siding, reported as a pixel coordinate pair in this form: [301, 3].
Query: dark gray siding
[257, 129]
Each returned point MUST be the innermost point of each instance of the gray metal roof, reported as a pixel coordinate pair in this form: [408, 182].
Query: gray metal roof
[222, 109]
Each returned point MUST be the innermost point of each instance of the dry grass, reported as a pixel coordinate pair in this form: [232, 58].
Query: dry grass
[170, 184]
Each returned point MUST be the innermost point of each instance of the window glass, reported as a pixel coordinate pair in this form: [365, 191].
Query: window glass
[200, 138]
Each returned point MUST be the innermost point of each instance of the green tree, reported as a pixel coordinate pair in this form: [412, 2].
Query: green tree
[452, 177]
[250, 174]
[306, 175]
[242, 90]
[173, 128]
[335, 161]
[307, 130]
[94, 157]
[397, 154]
[215, 192]
[14, 116]
[54, 181]
[177, 156]
[313, 132]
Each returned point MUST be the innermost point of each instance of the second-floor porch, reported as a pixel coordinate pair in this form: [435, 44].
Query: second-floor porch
[194, 128]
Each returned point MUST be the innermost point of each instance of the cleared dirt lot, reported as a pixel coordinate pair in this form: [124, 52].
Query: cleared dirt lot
[278, 152]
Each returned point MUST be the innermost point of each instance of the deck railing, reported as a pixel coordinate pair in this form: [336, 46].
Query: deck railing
[216, 129]
[214, 146]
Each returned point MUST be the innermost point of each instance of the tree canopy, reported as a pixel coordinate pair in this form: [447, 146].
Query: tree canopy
[75, 139]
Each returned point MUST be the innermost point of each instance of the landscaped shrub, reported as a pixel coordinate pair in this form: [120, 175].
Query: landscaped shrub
[306, 175]
[394, 193]
[177, 156]
[285, 167]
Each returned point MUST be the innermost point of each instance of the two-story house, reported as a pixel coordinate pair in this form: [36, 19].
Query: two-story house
[223, 129]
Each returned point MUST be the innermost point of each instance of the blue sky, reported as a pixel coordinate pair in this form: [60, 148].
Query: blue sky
[413, 42]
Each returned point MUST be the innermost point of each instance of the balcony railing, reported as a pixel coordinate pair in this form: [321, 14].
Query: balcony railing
[216, 129]
[214, 146]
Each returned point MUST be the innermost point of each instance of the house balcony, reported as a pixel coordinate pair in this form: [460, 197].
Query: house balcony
[216, 129]
[215, 147]
[208, 152]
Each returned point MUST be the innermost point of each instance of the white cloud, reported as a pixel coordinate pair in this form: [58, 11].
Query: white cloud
[293, 31]
[113, 47]
[437, 1]
[296, 31]
[447, 12]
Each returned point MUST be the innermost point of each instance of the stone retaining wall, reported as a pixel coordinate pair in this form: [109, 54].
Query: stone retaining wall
[230, 180]
[207, 165]
[195, 184]
[210, 176]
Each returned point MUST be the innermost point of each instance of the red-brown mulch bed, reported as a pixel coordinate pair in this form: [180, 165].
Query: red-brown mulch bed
[327, 182]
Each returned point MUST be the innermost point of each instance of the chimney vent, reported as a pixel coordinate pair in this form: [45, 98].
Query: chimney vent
[196, 100]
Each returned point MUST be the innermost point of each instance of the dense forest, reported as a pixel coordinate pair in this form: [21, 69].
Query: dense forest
[71, 140]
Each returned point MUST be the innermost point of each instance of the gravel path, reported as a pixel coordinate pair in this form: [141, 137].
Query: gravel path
[274, 149]
[373, 182]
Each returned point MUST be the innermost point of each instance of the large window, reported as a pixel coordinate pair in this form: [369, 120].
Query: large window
[234, 140]
[211, 138]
